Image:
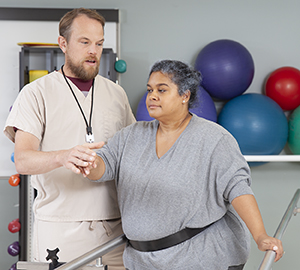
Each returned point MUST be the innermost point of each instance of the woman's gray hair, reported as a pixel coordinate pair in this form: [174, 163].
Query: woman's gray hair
[182, 75]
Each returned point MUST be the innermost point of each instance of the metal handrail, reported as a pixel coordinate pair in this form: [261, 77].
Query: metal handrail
[292, 209]
[94, 254]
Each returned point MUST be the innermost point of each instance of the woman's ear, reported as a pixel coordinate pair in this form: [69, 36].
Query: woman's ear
[186, 95]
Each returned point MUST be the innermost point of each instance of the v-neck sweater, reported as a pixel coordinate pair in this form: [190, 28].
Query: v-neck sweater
[191, 185]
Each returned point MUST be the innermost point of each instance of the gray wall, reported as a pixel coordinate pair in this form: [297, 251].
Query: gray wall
[156, 29]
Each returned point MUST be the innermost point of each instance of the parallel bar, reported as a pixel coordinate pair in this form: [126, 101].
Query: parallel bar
[94, 254]
[272, 158]
[291, 210]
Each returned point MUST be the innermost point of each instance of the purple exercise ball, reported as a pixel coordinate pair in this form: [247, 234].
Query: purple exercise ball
[227, 68]
[204, 106]
[142, 112]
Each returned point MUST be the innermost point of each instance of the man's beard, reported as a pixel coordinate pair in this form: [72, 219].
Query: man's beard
[80, 72]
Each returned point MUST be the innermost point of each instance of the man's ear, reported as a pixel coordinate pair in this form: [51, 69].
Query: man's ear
[62, 43]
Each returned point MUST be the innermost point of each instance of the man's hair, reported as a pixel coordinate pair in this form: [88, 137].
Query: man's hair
[66, 21]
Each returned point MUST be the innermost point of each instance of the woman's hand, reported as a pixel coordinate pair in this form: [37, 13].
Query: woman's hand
[265, 242]
[247, 208]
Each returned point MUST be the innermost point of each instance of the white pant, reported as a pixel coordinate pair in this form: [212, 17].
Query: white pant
[76, 238]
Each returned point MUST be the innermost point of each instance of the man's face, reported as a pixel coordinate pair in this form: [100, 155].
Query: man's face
[84, 49]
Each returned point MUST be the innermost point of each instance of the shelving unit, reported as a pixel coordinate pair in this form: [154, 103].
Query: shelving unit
[52, 58]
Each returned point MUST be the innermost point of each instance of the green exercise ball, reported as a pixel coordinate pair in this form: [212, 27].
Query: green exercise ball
[294, 132]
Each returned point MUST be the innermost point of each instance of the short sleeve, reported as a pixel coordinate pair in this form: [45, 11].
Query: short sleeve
[27, 114]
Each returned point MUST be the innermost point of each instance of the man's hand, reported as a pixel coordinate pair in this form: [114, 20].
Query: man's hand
[81, 158]
[30, 160]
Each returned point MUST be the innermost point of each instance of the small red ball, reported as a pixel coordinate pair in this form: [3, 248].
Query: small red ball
[283, 86]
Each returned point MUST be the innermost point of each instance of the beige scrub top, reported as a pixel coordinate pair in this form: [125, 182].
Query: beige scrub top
[47, 109]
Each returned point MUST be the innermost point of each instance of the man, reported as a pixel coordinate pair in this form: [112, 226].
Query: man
[50, 121]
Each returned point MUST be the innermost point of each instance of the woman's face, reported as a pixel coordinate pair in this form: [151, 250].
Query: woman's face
[163, 100]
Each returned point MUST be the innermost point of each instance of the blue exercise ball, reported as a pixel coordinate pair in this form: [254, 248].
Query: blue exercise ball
[227, 68]
[257, 122]
[203, 107]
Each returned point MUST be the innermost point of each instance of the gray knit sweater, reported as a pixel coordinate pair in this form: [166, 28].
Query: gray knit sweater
[192, 185]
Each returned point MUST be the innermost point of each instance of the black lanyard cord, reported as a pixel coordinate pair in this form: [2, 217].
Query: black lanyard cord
[88, 125]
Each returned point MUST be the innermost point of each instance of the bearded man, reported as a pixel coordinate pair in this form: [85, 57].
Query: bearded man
[51, 119]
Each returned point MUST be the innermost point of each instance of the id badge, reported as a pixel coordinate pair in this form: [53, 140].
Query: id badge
[89, 138]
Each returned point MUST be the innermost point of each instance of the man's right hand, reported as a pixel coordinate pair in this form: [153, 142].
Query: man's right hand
[30, 160]
[80, 157]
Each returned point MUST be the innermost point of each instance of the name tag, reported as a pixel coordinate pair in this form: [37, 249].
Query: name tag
[89, 138]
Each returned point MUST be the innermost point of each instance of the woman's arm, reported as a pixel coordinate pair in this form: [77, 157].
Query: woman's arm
[95, 170]
[247, 208]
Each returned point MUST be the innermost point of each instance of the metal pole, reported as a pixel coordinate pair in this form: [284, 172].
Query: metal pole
[94, 254]
[268, 260]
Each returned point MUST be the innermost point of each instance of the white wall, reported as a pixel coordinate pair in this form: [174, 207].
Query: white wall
[153, 30]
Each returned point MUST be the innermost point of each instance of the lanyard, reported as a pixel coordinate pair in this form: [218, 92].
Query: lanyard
[89, 137]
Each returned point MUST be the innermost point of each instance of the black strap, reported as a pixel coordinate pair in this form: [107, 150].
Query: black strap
[88, 125]
[166, 242]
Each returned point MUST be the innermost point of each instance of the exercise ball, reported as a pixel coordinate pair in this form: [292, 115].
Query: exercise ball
[283, 86]
[294, 132]
[203, 107]
[141, 111]
[227, 68]
[257, 122]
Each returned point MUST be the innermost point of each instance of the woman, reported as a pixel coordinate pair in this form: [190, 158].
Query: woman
[176, 172]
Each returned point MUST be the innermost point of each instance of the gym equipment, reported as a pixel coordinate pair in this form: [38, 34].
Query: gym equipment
[294, 132]
[36, 74]
[14, 180]
[283, 86]
[14, 226]
[13, 249]
[120, 66]
[227, 68]
[203, 107]
[257, 122]
[13, 267]
[52, 255]
[141, 111]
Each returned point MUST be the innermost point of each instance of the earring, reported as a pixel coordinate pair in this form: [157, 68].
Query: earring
[183, 101]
